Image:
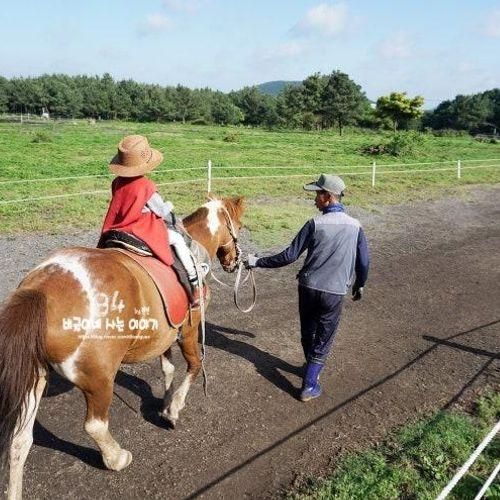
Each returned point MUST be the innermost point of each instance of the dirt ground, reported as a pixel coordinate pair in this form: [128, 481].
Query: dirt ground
[426, 336]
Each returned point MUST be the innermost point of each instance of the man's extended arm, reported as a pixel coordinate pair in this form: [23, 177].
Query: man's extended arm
[362, 261]
[293, 252]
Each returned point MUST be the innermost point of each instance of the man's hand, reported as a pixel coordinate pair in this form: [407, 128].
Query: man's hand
[357, 293]
[250, 261]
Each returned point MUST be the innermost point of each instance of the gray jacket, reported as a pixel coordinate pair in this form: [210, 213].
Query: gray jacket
[336, 250]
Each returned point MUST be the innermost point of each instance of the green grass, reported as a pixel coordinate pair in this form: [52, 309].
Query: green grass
[417, 461]
[276, 207]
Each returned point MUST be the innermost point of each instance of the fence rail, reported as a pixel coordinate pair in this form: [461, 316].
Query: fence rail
[374, 170]
[466, 466]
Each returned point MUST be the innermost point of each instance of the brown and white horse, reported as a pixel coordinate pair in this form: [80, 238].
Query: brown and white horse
[76, 289]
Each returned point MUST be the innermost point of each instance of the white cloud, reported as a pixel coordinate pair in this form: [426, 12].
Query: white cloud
[491, 24]
[465, 67]
[323, 20]
[157, 22]
[397, 46]
[190, 6]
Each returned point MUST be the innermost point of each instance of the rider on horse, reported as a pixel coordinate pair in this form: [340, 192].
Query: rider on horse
[137, 211]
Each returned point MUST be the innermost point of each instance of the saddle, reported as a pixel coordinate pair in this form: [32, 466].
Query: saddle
[120, 239]
[167, 280]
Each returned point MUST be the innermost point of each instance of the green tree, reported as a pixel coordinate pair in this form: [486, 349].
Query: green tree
[399, 108]
[224, 111]
[473, 113]
[4, 94]
[123, 102]
[184, 103]
[312, 93]
[253, 104]
[290, 106]
[342, 100]
[493, 118]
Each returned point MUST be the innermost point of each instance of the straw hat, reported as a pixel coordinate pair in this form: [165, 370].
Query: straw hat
[135, 157]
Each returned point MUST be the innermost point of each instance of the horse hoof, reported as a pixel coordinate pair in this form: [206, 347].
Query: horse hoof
[121, 460]
[169, 419]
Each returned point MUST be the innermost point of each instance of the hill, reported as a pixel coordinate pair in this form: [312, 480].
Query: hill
[274, 88]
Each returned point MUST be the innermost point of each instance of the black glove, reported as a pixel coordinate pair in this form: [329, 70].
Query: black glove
[357, 293]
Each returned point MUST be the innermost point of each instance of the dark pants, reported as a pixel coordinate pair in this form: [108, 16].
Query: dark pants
[319, 318]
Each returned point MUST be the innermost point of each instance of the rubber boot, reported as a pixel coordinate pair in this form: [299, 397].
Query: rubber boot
[195, 292]
[310, 385]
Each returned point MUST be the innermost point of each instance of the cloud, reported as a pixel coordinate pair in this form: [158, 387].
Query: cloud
[491, 24]
[325, 20]
[397, 46]
[465, 67]
[158, 22]
[154, 23]
[189, 6]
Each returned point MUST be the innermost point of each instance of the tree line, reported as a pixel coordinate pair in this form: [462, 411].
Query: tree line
[318, 102]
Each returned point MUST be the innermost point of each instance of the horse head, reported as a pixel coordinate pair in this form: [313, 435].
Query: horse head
[216, 226]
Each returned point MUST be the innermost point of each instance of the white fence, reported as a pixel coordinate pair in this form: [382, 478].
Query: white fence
[466, 466]
[373, 170]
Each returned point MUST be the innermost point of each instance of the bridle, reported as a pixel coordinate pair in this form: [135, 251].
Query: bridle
[238, 264]
[233, 234]
[238, 282]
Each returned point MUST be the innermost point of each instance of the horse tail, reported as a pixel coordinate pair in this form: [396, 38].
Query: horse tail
[23, 326]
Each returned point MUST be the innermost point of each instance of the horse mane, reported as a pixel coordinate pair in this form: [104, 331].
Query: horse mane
[199, 215]
[233, 205]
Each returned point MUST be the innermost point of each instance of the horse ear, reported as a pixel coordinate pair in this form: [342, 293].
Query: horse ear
[238, 202]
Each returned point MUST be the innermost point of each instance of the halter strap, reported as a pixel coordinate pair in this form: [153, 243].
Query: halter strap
[232, 232]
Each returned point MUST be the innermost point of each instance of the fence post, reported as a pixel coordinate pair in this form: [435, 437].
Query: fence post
[209, 176]
[374, 168]
[459, 169]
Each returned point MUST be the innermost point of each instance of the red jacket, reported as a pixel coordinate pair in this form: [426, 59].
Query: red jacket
[130, 195]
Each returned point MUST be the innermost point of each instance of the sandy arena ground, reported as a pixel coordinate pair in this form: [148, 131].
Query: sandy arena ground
[426, 336]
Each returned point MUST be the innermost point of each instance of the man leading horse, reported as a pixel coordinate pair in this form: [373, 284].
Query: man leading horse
[336, 249]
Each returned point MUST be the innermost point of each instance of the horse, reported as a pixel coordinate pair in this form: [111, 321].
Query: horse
[90, 283]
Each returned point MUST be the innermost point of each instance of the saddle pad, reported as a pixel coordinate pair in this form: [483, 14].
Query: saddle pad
[173, 295]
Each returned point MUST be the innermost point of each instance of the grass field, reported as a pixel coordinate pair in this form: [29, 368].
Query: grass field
[418, 461]
[276, 206]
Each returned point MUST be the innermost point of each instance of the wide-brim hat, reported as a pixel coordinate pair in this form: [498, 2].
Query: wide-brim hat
[331, 183]
[135, 157]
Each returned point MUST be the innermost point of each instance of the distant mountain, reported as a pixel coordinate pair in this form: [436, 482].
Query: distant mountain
[274, 88]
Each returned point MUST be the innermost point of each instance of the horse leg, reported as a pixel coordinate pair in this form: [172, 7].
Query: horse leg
[98, 399]
[22, 441]
[191, 353]
[168, 370]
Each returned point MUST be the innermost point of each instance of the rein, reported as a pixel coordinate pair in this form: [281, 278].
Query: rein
[239, 263]
[237, 284]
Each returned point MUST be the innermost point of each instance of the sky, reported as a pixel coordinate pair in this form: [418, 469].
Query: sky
[437, 49]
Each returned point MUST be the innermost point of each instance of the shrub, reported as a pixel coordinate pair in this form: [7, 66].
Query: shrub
[231, 137]
[200, 121]
[449, 132]
[41, 136]
[405, 143]
[374, 149]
